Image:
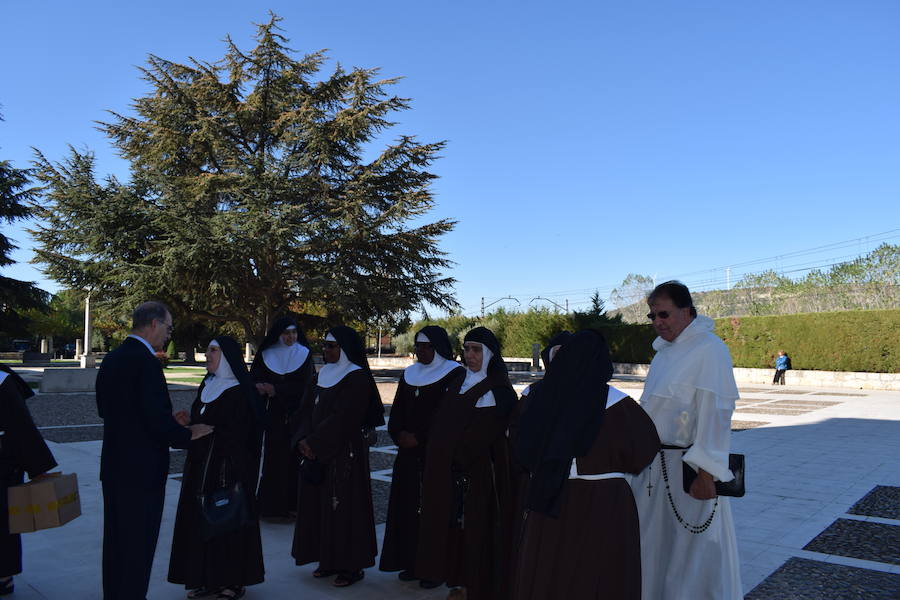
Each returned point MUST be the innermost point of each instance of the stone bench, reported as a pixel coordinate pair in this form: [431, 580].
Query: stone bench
[55, 381]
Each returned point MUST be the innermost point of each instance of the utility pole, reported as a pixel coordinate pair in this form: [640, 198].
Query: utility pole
[482, 307]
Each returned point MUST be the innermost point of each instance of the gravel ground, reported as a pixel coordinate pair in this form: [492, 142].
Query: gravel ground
[883, 501]
[859, 539]
[802, 579]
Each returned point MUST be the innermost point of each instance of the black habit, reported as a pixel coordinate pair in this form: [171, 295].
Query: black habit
[412, 411]
[464, 530]
[277, 493]
[234, 559]
[22, 450]
[335, 520]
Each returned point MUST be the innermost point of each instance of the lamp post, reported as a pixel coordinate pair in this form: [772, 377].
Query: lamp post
[88, 360]
[484, 306]
[553, 303]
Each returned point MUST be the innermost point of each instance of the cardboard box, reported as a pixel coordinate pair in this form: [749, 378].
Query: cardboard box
[44, 503]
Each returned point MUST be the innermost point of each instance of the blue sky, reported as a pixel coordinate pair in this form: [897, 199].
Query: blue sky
[586, 140]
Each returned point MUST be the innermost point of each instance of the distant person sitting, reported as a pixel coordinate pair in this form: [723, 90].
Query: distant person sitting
[782, 364]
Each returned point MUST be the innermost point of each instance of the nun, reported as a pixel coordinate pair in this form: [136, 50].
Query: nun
[581, 438]
[227, 399]
[22, 450]
[419, 394]
[335, 521]
[282, 371]
[465, 521]
[520, 475]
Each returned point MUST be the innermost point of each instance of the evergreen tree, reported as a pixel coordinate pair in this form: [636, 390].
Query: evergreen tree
[250, 193]
[15, 295]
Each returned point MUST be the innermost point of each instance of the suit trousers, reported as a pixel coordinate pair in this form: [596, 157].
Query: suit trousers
[131, 520]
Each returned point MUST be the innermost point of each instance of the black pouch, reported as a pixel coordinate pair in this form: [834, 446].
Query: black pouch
[224, 509]
[733, 488]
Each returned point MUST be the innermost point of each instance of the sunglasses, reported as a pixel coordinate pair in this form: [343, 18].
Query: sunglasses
[663, 314]
[330, 345]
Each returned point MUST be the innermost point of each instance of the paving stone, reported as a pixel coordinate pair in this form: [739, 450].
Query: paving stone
[384, 439]
[176, 461]
[378, 461]
[813, 404]
[883, 501]
[803, 579]
[745, 425]
[381, 492]
[859, 539]
[73, 434]
[847, 394]
[772, 411]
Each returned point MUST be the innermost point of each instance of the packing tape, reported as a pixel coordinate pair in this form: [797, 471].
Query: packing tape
[26, 508]
[67, 499]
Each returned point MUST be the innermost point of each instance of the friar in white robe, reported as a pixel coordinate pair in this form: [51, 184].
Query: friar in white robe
[688, 546]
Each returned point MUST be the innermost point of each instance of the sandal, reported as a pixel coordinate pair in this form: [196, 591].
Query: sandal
[7, 587]
[320, 573]
[201, 592]
[231, 593]
[348, 578]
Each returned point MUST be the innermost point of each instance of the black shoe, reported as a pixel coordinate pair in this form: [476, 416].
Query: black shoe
[7, 587]
[407, 576]
[348, 578]
[428, 584]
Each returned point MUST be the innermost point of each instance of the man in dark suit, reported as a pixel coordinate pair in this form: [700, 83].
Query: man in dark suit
[138, 429]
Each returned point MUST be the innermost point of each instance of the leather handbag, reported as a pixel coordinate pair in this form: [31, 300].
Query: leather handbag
[223, 510]
[733, 488]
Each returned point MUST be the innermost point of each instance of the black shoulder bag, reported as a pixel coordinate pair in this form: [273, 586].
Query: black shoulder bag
[224, 509]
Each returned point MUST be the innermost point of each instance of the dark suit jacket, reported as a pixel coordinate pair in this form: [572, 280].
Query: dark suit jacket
[138, 427]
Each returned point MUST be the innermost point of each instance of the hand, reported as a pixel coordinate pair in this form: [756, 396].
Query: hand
[183, 418]
[266, 389]
[305, 450]
[199, 430]
[407, 440]
[703, 488]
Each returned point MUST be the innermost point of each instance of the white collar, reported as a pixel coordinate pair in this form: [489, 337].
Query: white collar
[144, 342]
[613, 396]
[333, 373]
[281, 359]
[216, 383]
[473, 378]
[698, 326]
[418, 374]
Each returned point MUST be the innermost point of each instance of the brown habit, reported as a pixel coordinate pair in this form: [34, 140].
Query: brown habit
[412, 411]
[277, 494]
[468, 442]
[593, 550]
[335, 522]
[234, 559]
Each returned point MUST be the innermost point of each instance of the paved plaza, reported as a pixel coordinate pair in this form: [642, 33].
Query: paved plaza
[821, 518]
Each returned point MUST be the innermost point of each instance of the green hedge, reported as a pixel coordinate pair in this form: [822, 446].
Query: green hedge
[857, 340]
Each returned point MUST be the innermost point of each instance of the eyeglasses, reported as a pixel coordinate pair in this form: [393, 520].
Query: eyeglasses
[663, 314]
[169, 327]
[423, 344]
[330, 345]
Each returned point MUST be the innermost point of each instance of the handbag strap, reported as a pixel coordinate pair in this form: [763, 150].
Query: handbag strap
[212, 441]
